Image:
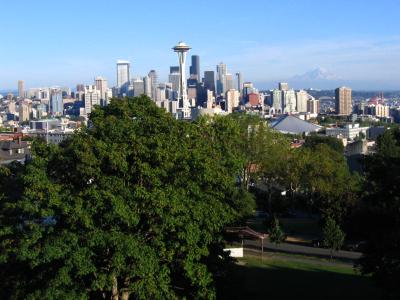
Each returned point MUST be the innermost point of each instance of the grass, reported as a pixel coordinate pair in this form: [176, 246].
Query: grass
[280, 278]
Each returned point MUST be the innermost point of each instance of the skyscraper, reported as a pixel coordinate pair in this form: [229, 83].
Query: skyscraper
[221, 78]
[92, 98]
[195, 67]
[147, 86]
[288, 101]
[123, 76]
[283, 86]
[56, 103]
[209, 81]
[181, 49]
[173, 78]
[239, 82]
[21, 89]
[343, 101]
[154, 83]
[101, 85]
[301, 101]
[229, 85]
[138, 87]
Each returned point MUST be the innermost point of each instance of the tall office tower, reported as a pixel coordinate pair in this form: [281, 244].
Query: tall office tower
[283, 86]
[209, 81]
[239, 82]
[288, 101]
[248, 88]
[92, 98]
[343, 100]
[192, 87]
[229, 82]
[102, 86]
[123, 76]
[173, 78]
[301, 100]
[173, 69]
[56, 103]
[195, 67]
[21, 89]
[277, 101]
[154, 84]
[221, 78]
[181, 49]
[80, 88]
[138, 87]
[160, 92]
[24, 111]
[147, 86]
[313, 106]
[11, 107]
[232, 100]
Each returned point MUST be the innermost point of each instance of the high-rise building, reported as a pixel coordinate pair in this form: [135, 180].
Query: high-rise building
[209, 81]
[301, 100]
[56, 103]
[277, 101]
[195, 67]
[248, 88]
[24, 111]
[174, 77]
[232, 100]
[288, 101]
[239, 82]
[102, 86]
[229, 85]
[92, 98]
[283, 86]
[154, 84]
[11, 107]
[138, 87]
[343, 101]
[174, 69]
[147, 86]
[313, 106]
[21, 89]
[80, 87]
[181, 49]
[221, 78]
[123, 76]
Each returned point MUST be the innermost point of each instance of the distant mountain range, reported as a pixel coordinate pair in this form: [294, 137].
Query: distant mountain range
[318, 74]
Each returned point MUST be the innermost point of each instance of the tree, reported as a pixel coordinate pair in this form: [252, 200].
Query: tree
[380, 215]
[276, 234]
[333, 236]
[132, 207]
[313, 140]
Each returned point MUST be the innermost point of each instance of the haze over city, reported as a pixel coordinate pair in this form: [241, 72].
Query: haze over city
[310, 44]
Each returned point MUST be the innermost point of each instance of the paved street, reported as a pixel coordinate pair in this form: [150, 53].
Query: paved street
[302, 250]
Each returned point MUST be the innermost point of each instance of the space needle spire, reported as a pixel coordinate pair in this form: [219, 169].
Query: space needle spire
[183, 104]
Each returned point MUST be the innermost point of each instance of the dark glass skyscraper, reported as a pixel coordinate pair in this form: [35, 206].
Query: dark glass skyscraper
[195, 67]
[209, 80]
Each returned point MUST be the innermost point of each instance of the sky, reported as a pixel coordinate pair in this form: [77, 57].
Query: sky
[62, 43]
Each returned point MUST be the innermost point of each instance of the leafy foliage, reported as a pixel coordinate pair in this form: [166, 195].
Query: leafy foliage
[333, 235]
[132, 206]
[276, 234]
[381, 214]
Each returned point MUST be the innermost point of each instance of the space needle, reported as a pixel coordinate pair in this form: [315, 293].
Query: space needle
[183, 101]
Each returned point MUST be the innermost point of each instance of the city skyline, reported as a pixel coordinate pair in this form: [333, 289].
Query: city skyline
[265, 50]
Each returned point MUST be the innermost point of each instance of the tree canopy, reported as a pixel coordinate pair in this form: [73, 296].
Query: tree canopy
[131, 206]
[381, 214]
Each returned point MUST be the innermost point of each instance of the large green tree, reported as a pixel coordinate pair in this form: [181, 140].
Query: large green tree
[130, 208]
[381, 214]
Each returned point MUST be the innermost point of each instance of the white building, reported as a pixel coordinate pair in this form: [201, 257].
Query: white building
[350, 131]
[92, 98]
[232, 100]
[301, 101]
[123, 76]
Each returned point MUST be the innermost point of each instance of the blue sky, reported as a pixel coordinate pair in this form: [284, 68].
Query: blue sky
[67, 42]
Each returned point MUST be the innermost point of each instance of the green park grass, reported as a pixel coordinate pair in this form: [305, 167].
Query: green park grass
[282, 278]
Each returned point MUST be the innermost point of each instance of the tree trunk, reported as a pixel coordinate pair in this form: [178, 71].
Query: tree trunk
[114, 291]
[125, 295]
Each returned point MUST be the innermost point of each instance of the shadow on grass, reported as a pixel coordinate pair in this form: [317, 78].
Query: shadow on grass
[251, 282]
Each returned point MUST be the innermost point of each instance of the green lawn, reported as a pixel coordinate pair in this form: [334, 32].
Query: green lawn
[280, 278]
